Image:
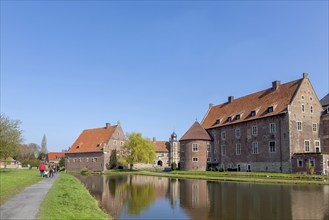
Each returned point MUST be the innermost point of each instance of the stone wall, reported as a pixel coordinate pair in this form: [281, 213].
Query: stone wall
[92, 161]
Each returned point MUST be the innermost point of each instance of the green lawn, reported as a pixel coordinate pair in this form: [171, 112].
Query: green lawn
[69, 199]
[252, 177]
[14, 181]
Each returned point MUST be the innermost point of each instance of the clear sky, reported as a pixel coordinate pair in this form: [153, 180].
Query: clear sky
[67, 66]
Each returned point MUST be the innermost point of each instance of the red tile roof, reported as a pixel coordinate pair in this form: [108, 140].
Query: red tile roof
[55, 156]
[161, 146]
[196, 132]
[92, 140]
[259, 102]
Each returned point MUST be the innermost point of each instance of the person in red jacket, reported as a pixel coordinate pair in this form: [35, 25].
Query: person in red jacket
[42, 168]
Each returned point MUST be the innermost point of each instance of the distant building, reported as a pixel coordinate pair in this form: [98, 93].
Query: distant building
[264, 131]
[55, 157]
[93, 148]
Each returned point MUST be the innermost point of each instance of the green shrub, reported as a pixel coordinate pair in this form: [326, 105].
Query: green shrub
[173, 166]
[84, 171]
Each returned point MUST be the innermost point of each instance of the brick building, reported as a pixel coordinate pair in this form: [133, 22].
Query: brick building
[54, 157]
[263, 131]
[92, 149]
[195, 145]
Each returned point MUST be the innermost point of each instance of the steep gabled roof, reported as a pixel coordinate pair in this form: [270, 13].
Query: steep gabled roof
[259, 102]
[55, 155]
[325, 100]
[92, 140]
[196, 132]
[161, 146]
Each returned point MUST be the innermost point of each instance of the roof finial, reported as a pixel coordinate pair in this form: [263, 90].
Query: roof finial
[118, 123]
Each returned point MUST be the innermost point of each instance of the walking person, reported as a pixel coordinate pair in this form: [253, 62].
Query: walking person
[51, 170]
[42, 169]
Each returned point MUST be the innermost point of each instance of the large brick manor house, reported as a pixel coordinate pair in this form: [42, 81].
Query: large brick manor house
[280, 129]
[275, 130]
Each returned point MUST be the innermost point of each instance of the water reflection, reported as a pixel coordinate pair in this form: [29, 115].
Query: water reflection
[146, 197]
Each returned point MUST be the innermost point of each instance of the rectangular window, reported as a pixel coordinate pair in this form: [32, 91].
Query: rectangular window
[238, 149]
[215, 150]
[314, 127]
[317, 146]
[237, 133]
[182, 159]
[195, 159]
[223, 135]
[215, 160]
[272, 127]
[254, 130]
[299, 163]
[182, 148]
[114, 142]
[307, 146]
[303, 108]
[208, 148]
[209, 159]
[272, 146]
[237, 117]
[229, 119]
[121, 143]
[195, 147]
[254, 147]
[299, 125]
[223, 150]
[253, 113]
[311, 109]
[87, 159]
[312, 163]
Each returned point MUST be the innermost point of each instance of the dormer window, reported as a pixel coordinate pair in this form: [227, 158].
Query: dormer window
[217, 121]
[237, 117]
[78, 147]
[270, 109]
[253, 113]
[229, 119]
[97, 145]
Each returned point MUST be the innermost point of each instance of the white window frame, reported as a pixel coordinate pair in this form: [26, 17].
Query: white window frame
[254, 130]
[182, 148]
[182, 159]
[307, 146]
[315, 125]
[299, 126]
[238, 149]
[237, 133]
[269, 146]
[313, 160]
[300, 160]
[317, 145]
[223, 135]
[195, 145]
[272, 127]
[114, 142]
[223, 147]
[254, 147]
[208, 147]
[195, 161]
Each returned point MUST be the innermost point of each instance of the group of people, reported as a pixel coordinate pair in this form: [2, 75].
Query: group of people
[48, 170]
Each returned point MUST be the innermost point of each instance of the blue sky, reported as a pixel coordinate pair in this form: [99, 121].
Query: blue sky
[67, 66]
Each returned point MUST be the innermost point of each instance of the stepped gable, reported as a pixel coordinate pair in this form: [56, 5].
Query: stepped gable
[196, 132]
[92, 140]
[240, 110]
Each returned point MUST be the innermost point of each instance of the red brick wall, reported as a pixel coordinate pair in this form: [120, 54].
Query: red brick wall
[188, 155]
[324, 132]
[77, 161]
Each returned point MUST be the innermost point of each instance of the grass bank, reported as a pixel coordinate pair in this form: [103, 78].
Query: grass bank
[252, 177]
[69, 199]
[13, 181]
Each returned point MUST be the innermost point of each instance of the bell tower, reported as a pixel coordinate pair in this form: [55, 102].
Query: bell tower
[174, 156]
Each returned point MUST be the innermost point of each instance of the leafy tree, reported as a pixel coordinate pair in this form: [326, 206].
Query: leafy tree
[26, 152]
[113, 159]
[137, 150]
[42, 156]
[62, 162]
[173, 166]
[44, 145]
[10, 136]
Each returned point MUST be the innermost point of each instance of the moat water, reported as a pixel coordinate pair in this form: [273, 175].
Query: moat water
[146, 197]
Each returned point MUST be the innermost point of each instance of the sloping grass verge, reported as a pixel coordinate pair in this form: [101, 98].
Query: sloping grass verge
[13, 181]
[69, 199]
[251, 177]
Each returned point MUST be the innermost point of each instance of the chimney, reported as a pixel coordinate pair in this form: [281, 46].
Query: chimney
[230, 99]
[154, 139]
[276, 84]
[108, 125]
[305, 75]
[211, 105]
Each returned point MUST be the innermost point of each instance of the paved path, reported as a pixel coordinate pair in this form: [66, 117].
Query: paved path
[26, 204]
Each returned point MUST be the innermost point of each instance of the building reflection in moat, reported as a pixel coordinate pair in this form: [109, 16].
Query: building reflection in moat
[201, 199]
